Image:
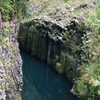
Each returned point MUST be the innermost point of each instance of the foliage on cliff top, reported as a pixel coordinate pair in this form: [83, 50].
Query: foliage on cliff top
[10, 8]
[90, 72]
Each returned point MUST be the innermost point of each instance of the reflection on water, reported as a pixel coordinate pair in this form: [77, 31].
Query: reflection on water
[41, 82]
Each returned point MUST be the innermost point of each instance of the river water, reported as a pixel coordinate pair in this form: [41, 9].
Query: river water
[41, 82]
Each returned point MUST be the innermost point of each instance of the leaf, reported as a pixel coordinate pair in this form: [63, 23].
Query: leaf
[98, 77]
[98, 92]
[96, 83]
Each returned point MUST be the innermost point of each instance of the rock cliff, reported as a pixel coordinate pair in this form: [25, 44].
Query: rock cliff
[58, 45]
[10, 64]
[59, 35]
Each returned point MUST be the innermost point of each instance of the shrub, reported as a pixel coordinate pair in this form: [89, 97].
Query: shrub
[93, 67]
[10, 8]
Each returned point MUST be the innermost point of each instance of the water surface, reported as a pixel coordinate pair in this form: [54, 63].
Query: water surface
[41, 82]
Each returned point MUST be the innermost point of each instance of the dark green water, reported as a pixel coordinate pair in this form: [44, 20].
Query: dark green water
[41, 82]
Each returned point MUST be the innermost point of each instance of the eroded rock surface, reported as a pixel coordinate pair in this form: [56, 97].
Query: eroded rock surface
[10, 66]
[58, 45]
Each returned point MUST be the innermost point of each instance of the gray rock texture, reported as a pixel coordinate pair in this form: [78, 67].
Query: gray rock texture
[10, 66]
[58, 45]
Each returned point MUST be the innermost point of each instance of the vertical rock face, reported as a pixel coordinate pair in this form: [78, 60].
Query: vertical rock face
[58, 45]
[65, 47]
[10, 68]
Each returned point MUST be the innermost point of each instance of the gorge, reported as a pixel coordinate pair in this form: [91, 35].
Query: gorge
[59, 46]
[63, 36]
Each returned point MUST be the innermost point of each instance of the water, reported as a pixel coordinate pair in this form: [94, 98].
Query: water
[41, 82]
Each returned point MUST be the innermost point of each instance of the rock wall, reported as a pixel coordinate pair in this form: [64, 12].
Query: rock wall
[59, 46]
[60, 37]
[10, 66]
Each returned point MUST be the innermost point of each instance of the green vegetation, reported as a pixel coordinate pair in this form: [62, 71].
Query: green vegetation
[11, 8]
[90, 72]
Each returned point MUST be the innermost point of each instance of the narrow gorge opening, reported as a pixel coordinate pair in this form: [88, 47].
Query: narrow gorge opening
[59, 42]
[42, 82]
[58, 46]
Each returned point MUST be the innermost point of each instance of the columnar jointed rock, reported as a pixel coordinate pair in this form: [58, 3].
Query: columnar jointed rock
[58, 45]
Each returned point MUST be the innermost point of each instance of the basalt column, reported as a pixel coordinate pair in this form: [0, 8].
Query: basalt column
[59, 46]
